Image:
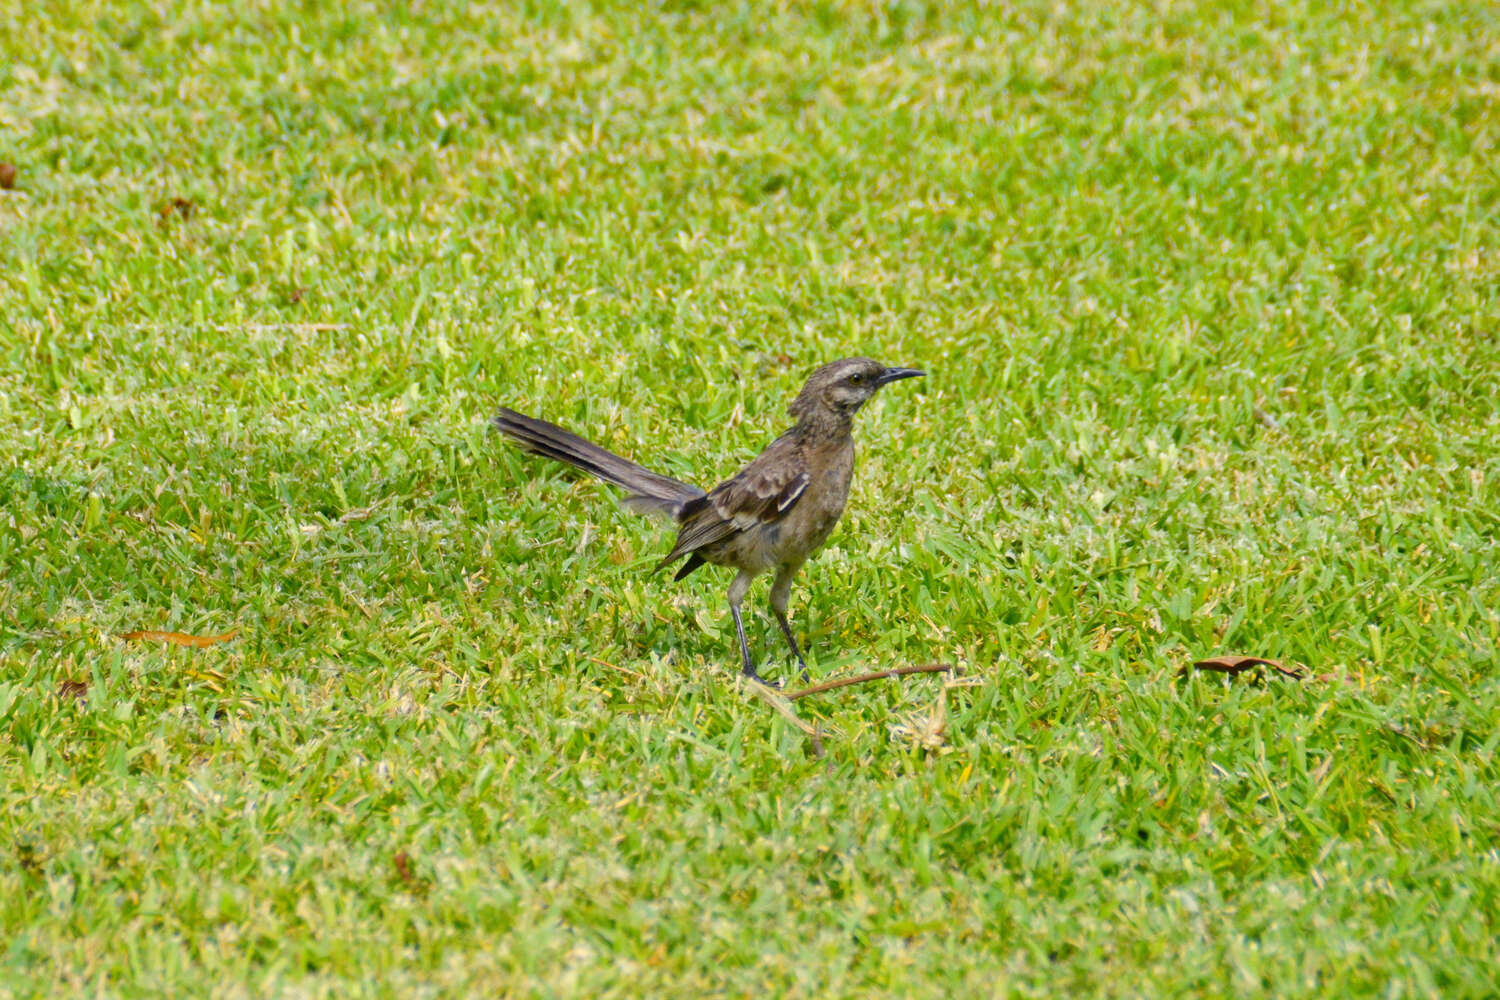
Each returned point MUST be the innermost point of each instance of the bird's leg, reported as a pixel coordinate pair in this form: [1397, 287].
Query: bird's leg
[737, 591]
[781, 592]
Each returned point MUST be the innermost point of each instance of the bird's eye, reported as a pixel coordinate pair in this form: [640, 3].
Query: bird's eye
[858, 378]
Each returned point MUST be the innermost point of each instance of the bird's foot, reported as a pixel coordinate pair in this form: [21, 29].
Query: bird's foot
[757, 678]
[802, 665]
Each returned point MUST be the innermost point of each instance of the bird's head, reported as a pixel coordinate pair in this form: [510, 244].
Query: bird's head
[840, 388]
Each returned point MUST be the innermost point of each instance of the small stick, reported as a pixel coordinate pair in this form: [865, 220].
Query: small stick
[773, 697]
[926, 668]
[817, 742]
[616, 666]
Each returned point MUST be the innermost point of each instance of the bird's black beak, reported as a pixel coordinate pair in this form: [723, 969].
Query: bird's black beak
[897, 374]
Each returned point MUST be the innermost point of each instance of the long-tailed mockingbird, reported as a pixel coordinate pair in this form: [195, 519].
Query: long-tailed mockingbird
[772, 515]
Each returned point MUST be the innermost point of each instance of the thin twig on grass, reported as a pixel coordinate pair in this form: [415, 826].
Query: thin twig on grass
[926, 668]
[778, 701]
[817, 742]
[615, 666]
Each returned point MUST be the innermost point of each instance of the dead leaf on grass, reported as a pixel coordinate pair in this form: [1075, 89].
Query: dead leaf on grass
[77, 690]
[178, 208]
[1234, 665]
[406, 873]
[7, 176]
[180, 638]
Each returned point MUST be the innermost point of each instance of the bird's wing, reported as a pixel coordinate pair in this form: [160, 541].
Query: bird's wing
[761, 493]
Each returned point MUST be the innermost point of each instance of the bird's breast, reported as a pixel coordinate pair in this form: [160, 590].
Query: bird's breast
[822, 504]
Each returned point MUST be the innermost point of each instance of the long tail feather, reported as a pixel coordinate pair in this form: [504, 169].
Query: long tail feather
[648, 490]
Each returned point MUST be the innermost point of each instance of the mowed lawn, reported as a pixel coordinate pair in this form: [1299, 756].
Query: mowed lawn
[1209, 295]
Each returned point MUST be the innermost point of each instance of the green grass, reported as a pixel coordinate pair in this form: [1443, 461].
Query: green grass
[1209, 296]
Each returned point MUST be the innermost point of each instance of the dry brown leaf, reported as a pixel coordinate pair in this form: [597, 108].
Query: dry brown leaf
[7, 176]
[409, 878]
[1233, 665]
[73, 689]
[179, 207]
[181, 638]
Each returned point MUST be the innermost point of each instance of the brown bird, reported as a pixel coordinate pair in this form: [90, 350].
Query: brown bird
[772, 515]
